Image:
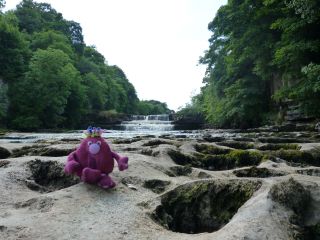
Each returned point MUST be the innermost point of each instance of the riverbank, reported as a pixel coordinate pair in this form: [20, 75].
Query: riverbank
[216, 184]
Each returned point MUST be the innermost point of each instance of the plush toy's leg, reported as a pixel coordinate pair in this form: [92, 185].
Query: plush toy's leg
[106, 182]
[90, 175]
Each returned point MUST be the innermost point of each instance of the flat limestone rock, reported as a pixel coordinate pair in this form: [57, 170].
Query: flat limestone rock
[39, 202]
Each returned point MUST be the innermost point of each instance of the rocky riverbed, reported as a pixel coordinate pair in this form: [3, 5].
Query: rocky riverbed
[258, 184]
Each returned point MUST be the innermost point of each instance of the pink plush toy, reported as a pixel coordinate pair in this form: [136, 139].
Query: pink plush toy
[93, 160]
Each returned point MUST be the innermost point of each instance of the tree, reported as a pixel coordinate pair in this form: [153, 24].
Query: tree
[42, 97]
[51, 39]
[152, 107]
[239, 73]
[13, 49]
[3, 102]
[2, 4]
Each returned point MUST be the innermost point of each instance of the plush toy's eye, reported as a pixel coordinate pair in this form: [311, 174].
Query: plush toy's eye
[99, 143]
[89, 143]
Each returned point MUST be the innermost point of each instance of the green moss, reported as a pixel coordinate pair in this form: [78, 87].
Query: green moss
[185, 159]
[285, 146]
[291, 194]
[180, 171]
[50, 175]
[245, 158]
[203, 206]
[281, 140]
[157, 142]
[210, 149]
[237, 145]
[256, 172]
[126, 140]
[235, 158]
[296, 156]
[156, 185]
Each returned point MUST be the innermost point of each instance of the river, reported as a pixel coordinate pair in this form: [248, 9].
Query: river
[155, 125]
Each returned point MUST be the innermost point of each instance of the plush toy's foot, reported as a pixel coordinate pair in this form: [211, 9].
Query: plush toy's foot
[90, 175]
[106, 182]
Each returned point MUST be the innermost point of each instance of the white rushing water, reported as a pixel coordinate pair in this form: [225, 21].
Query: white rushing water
[149, 123]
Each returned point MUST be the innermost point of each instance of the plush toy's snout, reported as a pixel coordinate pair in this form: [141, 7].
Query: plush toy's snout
[94, 148]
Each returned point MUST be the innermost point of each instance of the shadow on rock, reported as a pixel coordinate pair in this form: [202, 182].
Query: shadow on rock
[203, 206]
[48, 176]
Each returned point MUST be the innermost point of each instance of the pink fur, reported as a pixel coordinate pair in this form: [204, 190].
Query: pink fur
[93, 161]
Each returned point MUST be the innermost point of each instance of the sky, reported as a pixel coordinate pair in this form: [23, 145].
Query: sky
[157, 43]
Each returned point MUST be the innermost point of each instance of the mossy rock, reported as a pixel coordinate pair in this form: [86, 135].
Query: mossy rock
[210, 149]
[180, 171]
[4, 163]
[291, 194]
[209, 138]
[311, 172]
[185, 159]
[203, 206]
[296, 156]
[235, 158]
[237, 145]
[4, 153]
[33, 150]
[312, 232]
[156, 185]
[56, 152]
[282, 140]
[126, 140]
[273, 147]
[257, 172]
[49, 176]
[156, 142]
[147, 152]
[243, 139]
[203, 175]
[245, 158]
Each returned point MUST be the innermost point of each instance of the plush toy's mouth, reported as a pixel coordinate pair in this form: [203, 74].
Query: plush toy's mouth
[94, 148]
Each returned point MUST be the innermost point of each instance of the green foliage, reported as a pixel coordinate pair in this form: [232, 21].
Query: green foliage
[2, 4]
[272, 53]
[50, 78]
[51, 39]
[43, 94]
[3, 102]
[151, 107]
[13, 49]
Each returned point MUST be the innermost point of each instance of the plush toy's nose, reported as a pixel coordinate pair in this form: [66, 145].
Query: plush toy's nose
[94, 148]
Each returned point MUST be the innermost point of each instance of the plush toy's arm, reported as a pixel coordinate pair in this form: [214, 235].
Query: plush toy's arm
[122, 161]
[72, 165]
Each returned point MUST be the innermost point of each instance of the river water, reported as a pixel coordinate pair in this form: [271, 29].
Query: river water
[156, 125]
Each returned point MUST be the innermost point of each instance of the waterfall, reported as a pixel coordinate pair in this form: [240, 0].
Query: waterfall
[148, 123]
